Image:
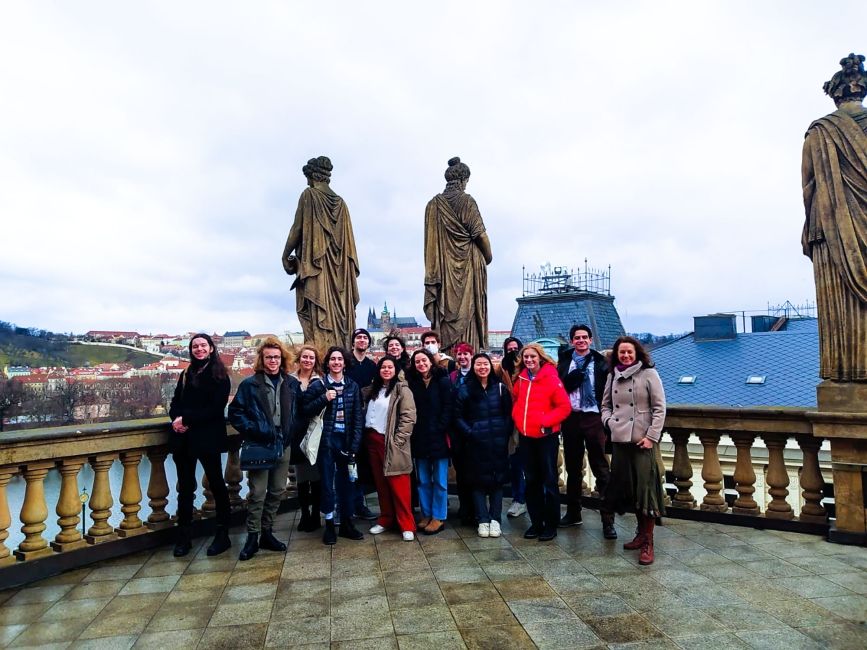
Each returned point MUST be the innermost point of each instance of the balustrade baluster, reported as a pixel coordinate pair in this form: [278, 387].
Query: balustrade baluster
[711, 472]
[681, 469]
[100, 501]
[561, 470]
[777, 478]
[745, 475]
[234, 476]
[6, 474]
[811, 481]
[209, 507]
[34, 512]
[158, 490]
[130, 496]
[69, 506]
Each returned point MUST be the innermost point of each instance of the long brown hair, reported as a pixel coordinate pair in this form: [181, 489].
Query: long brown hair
[286, 357]
[640, 353]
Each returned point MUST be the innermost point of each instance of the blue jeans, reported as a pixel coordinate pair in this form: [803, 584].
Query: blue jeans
[336, 486]
[433, 495]
[489, 504]
[519, 486]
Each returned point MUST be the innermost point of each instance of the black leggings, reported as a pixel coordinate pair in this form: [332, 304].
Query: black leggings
[187, 485]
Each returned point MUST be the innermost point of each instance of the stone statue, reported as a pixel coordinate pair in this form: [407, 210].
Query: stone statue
[320, 252]
[456, 253]
[834, 172]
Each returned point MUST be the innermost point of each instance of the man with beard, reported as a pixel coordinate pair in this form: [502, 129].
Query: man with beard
[362, 372]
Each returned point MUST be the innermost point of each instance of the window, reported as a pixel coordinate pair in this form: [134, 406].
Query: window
[756, 379]
[686, 379]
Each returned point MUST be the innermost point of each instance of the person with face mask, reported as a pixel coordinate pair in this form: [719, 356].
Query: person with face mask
[505, 371]
[430, 341]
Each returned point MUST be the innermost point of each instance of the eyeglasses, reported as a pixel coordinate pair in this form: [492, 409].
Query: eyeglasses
[273, 357]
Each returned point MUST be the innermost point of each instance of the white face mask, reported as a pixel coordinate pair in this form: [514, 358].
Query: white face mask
[433, 348]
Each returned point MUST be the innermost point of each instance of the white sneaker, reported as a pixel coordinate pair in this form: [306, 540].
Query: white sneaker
[495, 528]
[376, 529]
[408, 535]
[516, 509]
[484, 530]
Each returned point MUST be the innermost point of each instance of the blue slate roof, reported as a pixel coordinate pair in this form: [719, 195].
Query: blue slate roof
[789, 359]
[551, 316]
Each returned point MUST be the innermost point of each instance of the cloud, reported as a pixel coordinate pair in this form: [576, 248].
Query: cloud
[151, 154]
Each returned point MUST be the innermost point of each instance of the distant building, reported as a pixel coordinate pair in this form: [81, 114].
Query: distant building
[113, 336]
[235, 339]
[387, 321]
[777, 364]
[557, 298]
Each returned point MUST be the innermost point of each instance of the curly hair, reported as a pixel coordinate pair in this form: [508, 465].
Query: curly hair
[274, 343]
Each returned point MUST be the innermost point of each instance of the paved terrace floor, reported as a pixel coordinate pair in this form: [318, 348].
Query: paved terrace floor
[711, 586]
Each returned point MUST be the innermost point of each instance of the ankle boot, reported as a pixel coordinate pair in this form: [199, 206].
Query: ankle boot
[271, 543]
[638, 540]
[330, 535]
[349, 531]
[250, 547]
[221, 542]
[183, 541]
[646, 556]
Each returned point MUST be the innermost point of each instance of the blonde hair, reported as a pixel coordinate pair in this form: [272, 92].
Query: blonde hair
[273, 342]
[538, 349]
[317, 355]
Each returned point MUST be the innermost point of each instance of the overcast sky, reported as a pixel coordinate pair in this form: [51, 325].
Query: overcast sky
[151, 153]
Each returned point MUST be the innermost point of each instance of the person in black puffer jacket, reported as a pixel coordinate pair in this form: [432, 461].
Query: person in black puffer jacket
[433, 395]
[342, 423]
[198, 434]
[483, 419]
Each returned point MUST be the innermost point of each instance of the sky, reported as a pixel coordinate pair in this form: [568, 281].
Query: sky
[151, 153]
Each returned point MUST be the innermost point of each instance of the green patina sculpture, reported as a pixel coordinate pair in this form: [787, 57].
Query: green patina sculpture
[834, 172]
[320, 252]
[456, 254]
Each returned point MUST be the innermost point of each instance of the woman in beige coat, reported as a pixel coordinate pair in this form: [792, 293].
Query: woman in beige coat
[633, 410]
[388, 422]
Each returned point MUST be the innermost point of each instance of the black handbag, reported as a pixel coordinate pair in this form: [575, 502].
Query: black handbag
[258, 456]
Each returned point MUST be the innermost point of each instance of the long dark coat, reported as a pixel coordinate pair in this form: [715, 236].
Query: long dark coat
[483, 422]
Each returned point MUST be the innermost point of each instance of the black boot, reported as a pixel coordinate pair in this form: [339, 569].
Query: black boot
[271, 543]
[330, 535]
[250, 547]
[221, 542]
[349, 531]
[183, 541]
[571, 518]
[608, 530]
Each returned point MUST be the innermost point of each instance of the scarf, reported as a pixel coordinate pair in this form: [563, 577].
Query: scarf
[588, 397]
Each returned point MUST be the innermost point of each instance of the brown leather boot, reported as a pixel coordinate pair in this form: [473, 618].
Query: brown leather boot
[646, 556]
[638, 541]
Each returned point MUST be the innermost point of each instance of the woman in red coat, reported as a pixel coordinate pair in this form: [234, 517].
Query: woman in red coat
[540, 404]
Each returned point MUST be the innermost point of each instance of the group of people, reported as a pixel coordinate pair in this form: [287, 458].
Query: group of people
[398, 423]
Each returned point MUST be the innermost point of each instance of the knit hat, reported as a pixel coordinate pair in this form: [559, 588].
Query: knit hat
[361, 330]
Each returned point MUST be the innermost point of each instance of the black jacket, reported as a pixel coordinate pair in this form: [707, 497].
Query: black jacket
[315, 401]
[433, 410]
[572, 380]
[250, 415]
[483, 422]
[362, 372]
[202, 405]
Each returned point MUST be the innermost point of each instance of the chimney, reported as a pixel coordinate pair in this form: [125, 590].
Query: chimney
[715, 327]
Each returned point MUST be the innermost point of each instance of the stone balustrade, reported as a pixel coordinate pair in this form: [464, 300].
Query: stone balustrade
[68, 451]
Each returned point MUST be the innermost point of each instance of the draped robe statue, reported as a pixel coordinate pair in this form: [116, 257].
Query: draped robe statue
[320, 252]
[834, 172]
[456, 254]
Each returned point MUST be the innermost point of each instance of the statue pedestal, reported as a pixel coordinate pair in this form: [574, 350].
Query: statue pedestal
[842, 418]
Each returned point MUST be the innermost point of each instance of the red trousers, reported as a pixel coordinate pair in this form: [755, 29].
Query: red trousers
[393, 491]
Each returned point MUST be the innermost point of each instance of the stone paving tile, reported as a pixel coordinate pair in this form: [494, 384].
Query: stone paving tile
[85, 608]
[598, 604]
[775, 639]
[372, 624]
[522, 588]
[173, 616]
[116, 642]
[15, 614]
[683, 622]
[306, 630]
[417, 620]
[482, 614]
[846, 636]
[414, 595]
[534, 610]
[9, 632]
[358, 605]
[448, 640]
[497, 637]
[173, 639]
[241, 614]
[156, 585]
[214, 581]
[462, 574]
[721, 641]
[852, 607]
[246, 574]
[231, 637]
[856, 582]
[458, 593]
[50, 632]
[624, 628]
[29, 595]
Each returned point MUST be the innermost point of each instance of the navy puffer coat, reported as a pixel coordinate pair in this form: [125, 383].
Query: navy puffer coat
[484, 424]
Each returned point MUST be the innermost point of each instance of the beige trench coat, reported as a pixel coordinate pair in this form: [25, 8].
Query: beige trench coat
[399, 424]
[633, 404]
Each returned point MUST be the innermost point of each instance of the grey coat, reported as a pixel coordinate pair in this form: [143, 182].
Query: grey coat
[633, 404]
